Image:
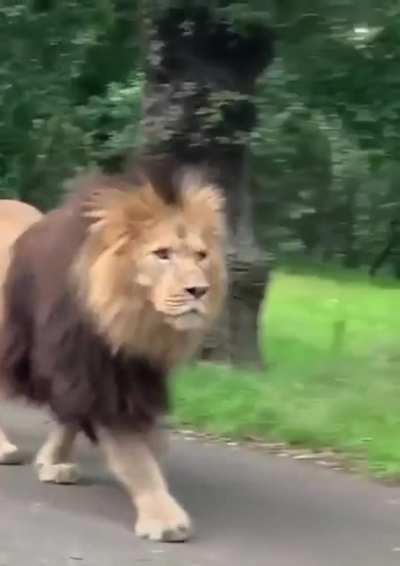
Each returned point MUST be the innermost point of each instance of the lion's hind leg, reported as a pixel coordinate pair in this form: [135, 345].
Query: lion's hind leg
[9, 453]
[52, 462]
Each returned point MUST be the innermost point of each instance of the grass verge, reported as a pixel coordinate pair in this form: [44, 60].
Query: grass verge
[333, 377]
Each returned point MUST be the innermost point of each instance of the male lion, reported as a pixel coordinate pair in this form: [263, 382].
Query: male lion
[102, 298]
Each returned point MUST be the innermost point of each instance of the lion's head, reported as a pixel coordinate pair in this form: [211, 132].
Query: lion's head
[151, 274]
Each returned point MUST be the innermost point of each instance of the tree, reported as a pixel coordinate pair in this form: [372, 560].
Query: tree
[321, 163]
[199, 108]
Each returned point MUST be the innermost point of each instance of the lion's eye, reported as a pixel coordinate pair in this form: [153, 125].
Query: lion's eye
[163, 253]
[201, 255]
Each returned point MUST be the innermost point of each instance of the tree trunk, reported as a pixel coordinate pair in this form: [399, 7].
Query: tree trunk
[392, 241]
[236, 339]
[199, 109]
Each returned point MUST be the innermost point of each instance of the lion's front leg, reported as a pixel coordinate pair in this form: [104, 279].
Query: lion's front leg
[53, 463]
[130, 456]
[9, 453]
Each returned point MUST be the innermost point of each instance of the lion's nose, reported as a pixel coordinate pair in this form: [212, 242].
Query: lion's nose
[197, 292]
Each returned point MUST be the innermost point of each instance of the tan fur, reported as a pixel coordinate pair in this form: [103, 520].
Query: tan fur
[138, 302]
[9, 453]
[53, 460]
[132, 459]
[15, 217]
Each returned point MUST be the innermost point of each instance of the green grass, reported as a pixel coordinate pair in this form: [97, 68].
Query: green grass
[333, 377]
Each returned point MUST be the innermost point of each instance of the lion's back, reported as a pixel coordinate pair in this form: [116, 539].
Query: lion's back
[15, 218]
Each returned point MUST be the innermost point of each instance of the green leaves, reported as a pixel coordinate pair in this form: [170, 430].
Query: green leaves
[55, 59]
[324, 154]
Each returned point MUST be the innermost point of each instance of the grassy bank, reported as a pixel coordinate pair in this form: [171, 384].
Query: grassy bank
[333, 378]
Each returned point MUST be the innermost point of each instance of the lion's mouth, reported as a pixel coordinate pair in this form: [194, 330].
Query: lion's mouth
[191, 319]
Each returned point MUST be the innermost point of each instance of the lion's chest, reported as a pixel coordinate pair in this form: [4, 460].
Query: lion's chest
[149, 337]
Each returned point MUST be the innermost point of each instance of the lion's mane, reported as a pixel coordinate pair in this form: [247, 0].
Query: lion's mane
[53, 350]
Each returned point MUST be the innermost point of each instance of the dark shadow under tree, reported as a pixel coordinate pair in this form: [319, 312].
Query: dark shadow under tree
[391, 248]
[198, 108]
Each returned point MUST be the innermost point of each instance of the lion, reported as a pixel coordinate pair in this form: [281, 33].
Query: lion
[103, 298]
[15, 218]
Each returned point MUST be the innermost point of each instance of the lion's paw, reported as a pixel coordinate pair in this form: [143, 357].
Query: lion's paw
[11, 455]
[58, 473]
[160, 518]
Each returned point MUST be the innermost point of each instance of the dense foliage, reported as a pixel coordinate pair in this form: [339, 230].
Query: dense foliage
[68, 90]
[324, 156]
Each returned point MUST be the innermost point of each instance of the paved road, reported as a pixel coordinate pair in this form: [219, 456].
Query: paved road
[250, 508]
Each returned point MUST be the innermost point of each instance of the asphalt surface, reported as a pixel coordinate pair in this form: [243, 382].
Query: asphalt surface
[250, 508]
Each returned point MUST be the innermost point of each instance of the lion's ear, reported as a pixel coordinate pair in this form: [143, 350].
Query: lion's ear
[198, 192]
[206, 205]
[209, 198]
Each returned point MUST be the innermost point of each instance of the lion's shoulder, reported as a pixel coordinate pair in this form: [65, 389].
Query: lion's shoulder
[15, 211]
[15, 218]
